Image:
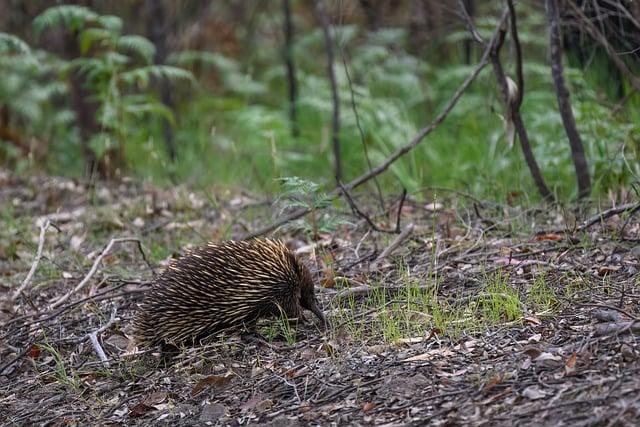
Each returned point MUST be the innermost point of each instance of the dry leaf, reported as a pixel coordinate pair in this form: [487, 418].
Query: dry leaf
[549, 236]
[368, 406]
[216, 381]
[570, 364]
[493, 381]
[34, 351]
[533, 392]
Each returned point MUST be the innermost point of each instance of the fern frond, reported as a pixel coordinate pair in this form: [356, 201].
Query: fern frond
[11, 43]
[138, 45]
[71, 17]
[141, 76]
[110, 22]
[91, 36]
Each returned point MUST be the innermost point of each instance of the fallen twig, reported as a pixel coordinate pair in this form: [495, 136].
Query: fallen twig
[93, 337]
[94, 268]
[392, 247]
[34, 266]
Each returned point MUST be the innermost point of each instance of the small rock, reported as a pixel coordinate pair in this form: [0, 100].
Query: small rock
[211, 412]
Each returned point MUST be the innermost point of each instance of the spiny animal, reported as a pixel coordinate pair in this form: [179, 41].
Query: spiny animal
[223, 286]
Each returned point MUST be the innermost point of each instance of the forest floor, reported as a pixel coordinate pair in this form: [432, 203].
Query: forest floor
[482, 314]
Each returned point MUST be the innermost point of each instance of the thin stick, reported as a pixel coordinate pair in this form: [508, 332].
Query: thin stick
[93, 337]
[399, 214]
[361, 131]
[633, 207]
[34, 266]
[94, 268]
[394, 245]
[359, 212]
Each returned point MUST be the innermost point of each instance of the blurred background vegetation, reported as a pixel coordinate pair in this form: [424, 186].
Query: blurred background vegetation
[196, 91]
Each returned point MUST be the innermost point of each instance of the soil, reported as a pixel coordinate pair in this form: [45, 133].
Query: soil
[483, 314]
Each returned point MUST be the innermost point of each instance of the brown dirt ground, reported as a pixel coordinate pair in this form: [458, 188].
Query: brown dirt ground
[454, 355]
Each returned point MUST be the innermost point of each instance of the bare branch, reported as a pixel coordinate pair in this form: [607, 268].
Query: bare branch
[362, 138]
[93, 338]
[94, 268]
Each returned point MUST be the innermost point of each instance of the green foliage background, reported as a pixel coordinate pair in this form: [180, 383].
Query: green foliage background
[231, 121]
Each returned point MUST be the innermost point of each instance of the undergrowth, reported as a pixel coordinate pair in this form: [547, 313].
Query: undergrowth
[235, 132]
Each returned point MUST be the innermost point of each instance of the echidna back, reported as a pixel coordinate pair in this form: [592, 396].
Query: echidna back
[221, 286]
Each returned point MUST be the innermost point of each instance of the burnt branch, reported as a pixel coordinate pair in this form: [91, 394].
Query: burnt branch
[564, 105]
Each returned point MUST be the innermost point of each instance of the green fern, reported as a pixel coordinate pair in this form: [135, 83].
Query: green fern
[13, 44]
[71, 17]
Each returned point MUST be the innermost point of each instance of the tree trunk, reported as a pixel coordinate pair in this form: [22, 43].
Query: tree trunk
[292, 84]
[564, 105]
[156, 28]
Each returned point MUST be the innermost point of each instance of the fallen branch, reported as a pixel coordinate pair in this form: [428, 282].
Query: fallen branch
[94, 268]
[628, 207]
[632, 326]
[36, 261]
[93, 337]
[484, 60]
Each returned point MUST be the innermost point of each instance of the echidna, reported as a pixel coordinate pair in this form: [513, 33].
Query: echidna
[223, 286]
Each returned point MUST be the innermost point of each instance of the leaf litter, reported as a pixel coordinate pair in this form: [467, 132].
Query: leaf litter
[504, 319]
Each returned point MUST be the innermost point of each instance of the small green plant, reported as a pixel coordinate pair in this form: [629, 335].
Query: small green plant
[542, 296]
[60, 371]
[498, 301]
[283, 326]
[301, 193]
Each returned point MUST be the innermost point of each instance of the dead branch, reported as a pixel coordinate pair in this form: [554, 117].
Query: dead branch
[599, 38]
[93, 338]
[36, 261]
[512, 99]
[484, 60]
[360, 213]
[94, 268]
[564, 105]
[328, 45]
[628, 207]
[632, 326]
[403, 197]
